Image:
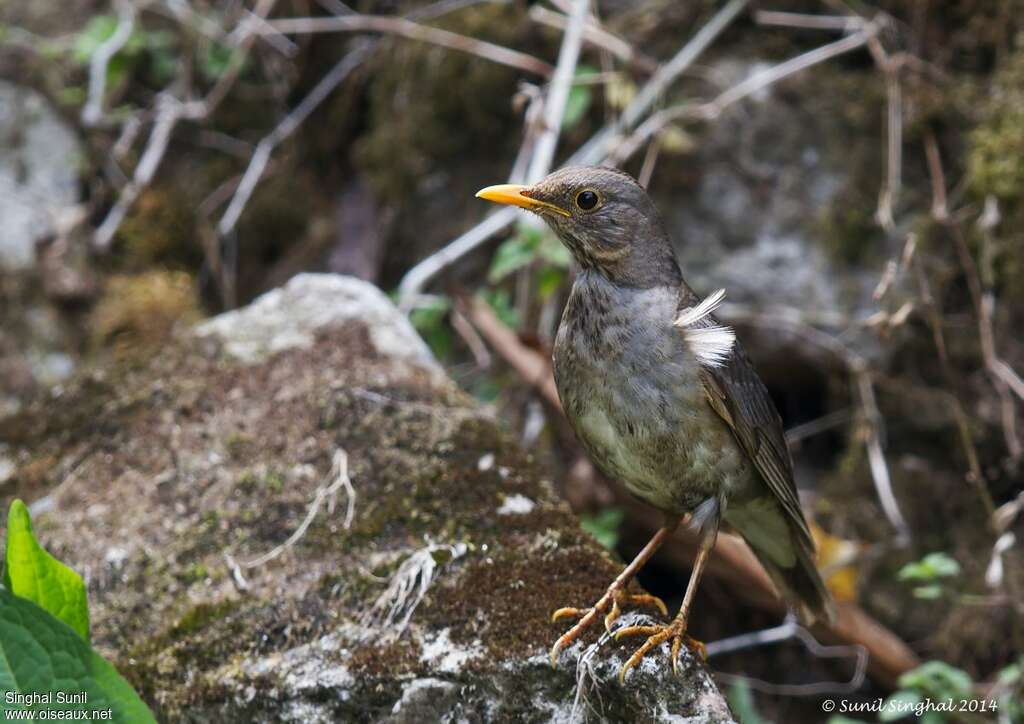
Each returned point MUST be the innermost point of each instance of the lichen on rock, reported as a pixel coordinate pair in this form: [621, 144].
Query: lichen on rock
[165, 480]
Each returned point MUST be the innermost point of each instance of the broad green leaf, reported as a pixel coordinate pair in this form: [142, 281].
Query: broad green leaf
[501, 302]
[549, 281]
[938, 679]
[899, 705]
[933, 566]
[604, 525]
[32, 573]
[430, 322]
[929, 592]
[42, 656]
[216, 60]
[96, 32]
[1011, 674]
[741, 701]
[515, 253]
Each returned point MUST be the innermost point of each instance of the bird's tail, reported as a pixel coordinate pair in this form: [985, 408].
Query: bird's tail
[802, 587]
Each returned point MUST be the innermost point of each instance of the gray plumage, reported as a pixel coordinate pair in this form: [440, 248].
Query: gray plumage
[682, 430]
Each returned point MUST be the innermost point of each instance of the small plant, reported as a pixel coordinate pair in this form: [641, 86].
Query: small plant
[604, 525]
[430, 321]
[46, 662]
[931, 682]
[930, 575]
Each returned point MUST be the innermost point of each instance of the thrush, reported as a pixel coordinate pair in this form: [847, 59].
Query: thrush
[663, 398]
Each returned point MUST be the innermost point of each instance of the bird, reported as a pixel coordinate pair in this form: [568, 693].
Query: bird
[663, 398]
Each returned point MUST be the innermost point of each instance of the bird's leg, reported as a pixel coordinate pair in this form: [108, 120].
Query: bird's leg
[676, 631]
[614, 596]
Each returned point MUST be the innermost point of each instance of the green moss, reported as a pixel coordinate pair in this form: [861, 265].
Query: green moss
[201, 616]
[160, 231]
[848, 231]
[995, 154]
[417, 124]
[139, 311]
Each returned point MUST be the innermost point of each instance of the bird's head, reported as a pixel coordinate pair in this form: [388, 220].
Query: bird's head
[604, 217]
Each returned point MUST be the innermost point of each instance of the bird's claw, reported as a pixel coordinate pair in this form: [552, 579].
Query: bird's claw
[613, 598]
[656, 636]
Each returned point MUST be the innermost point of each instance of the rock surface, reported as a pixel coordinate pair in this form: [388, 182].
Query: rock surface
[38, 176]
[416, 589]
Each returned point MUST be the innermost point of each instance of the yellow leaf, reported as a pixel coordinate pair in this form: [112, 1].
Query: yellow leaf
[834, 555]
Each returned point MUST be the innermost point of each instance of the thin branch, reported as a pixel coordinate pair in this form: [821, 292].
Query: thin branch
[595, 35]
[339, 474]
[970, 450]
[787, 631]
[889, 193]
[598, 148]
[558, 94]
[650, 161]
[169, 110]
[796, 434]
[1003, 376]
[283, 130]
[529, 364]
[92, 111]
[406, 28]
[712, 109]
[843, 23]
[592, 152]
[877, 463]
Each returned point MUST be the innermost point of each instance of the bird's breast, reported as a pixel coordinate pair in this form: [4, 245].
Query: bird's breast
[632, 392]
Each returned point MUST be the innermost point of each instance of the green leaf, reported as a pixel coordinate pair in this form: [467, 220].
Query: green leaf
[928, 593]
[899, 705]
[579, 100]
[604, 525]
[741, 701]
[215, 61]
[930, 568]
[1011, 674]
[549, 281]
[501, 302]
[938, 679]
[840, 719]
[430, 321]
[32, 573]
[42, 656]
[514, 253]
[97, 30]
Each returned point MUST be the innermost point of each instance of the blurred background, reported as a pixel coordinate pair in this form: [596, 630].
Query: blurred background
[850, 172]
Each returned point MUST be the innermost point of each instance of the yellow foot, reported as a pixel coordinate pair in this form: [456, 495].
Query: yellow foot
[656, 636]
[612, 602]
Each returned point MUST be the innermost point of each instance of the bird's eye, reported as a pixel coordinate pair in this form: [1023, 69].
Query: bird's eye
[587, 200]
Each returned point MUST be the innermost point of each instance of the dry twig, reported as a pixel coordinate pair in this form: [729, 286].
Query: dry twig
[595, 35]
[92, 111]
[340, 479]
[403, 27]
[592, 152]
[712, 109]
[788, 631]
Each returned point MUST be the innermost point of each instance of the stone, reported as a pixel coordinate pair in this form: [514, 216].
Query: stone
[292, 514]
[39, 154]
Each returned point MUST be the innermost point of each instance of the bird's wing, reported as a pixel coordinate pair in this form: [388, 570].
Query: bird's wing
[739, 397]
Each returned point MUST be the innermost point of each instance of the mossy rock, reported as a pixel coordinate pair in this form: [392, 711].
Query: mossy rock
[211, 455]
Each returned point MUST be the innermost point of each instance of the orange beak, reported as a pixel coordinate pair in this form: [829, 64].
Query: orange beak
[513, 194]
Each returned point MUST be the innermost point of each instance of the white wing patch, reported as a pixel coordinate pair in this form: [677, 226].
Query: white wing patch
[710, 343]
